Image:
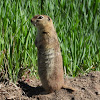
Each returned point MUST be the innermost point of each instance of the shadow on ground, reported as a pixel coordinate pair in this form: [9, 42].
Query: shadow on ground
[29, 90]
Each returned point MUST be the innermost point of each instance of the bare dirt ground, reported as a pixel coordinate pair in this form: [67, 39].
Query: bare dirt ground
[87, 87]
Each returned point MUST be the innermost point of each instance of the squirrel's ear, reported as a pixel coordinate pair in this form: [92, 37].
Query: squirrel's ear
[48, 18]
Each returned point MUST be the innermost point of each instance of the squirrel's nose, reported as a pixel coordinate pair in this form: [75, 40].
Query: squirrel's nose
[31, 20]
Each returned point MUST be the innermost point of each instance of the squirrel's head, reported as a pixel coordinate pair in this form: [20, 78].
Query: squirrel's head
[41, 21]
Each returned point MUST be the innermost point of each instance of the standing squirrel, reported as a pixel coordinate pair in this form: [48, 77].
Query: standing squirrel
[50, 64]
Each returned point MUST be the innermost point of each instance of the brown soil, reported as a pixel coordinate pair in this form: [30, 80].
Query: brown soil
[87, 88]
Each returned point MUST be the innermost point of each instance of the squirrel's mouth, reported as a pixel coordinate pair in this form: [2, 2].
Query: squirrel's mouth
[33, 22]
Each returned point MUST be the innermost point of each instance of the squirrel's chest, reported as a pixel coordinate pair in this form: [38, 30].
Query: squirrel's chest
[46, 60]
[43, 41]
[46, 55]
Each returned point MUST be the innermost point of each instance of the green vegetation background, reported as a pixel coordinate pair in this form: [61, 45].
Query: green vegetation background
[77, 23]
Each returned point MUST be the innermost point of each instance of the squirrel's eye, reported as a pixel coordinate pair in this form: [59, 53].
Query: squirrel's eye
[40, 17]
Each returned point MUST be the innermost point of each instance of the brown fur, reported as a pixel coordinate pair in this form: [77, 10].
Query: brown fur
[50, 66]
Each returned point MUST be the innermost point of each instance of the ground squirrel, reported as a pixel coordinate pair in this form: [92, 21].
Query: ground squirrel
[50, 65]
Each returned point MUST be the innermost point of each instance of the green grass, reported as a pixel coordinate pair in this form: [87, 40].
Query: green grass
[77, 23]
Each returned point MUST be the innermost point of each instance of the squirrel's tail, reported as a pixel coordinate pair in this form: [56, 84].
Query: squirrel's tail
[69, 89]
